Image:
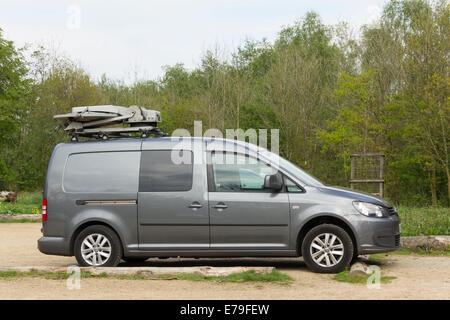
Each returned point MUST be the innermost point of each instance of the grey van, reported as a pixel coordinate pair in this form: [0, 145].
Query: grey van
[133, 199]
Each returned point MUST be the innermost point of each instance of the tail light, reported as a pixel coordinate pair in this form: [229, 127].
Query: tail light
[44, 209]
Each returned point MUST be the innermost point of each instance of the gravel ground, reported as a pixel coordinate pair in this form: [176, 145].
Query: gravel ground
[416, 277]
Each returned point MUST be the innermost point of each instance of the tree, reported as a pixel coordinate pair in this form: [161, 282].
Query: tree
[15, 93]
[409, 48]
[357, 127]
[426, 30]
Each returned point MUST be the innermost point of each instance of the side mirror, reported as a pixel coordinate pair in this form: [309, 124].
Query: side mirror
[274, 182]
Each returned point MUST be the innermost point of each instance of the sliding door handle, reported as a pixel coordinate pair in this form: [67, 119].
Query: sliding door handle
[220, 205]
[195, 205]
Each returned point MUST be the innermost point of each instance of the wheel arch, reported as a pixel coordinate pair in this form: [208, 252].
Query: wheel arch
[325, 219]
[86, 224]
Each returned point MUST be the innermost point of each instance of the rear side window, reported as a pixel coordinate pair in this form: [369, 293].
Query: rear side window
[102, 172]
[160, 174]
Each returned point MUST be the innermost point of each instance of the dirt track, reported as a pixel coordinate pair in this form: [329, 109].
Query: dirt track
[417, 277]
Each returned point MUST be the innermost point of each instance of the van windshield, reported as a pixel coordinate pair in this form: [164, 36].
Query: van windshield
[295, 171]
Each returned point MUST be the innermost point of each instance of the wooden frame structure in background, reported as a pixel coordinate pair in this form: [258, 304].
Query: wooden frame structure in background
[367, 168]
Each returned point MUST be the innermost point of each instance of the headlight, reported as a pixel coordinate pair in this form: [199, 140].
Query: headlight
[369, 209]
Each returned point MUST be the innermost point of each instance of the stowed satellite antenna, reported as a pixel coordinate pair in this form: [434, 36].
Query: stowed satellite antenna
[101, 122]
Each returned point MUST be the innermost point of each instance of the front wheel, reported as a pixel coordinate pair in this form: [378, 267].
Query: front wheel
[98, 246]
[327, 248]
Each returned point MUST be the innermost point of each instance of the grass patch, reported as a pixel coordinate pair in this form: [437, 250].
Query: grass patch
[34, 198]
[380, 259]
[60, 275]
[408, 252]
[345, 276]
[424, 221]
[27, 203]
[248, 276]
[12, 274]
[23, 220]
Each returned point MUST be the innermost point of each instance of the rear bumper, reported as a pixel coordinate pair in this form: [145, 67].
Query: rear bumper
[54, 245]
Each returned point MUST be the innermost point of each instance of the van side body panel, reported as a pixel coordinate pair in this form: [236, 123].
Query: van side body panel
[66, 211]
[312, 204]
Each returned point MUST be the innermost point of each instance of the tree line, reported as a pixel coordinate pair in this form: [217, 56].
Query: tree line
[330, 91]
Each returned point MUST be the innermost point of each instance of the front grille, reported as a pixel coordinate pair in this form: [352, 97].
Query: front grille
[392, 211]
[397, 240]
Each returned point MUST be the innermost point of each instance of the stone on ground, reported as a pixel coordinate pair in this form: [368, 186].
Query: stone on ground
[359, 268]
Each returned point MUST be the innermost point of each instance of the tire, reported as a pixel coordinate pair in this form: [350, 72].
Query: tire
[355, 257]
[94, 255]
[329, 259]
[134, 259]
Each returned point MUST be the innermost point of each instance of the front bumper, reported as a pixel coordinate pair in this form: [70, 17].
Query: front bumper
[54, 246]
[375, 235]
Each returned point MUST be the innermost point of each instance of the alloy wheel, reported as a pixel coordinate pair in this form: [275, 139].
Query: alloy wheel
[327, 250]
[96, 249]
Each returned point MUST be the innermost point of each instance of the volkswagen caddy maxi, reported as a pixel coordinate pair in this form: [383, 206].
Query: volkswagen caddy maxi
[133, 199]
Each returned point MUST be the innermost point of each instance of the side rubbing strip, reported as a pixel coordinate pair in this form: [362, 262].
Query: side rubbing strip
[103, 202]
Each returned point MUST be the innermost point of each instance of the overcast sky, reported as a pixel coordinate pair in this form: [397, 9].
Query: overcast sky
[117, 37]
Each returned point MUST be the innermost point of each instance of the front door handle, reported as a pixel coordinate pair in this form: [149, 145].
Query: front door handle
[195, 205]
[221, 205]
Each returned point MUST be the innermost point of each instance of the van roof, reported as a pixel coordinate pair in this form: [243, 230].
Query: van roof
[134, 143]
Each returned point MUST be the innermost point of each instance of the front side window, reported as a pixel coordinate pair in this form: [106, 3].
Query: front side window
[295, 171]
[292, 187]
[239, 173]
[160, 173]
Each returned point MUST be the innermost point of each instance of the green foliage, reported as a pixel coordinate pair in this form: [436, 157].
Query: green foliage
[424, 221]
[247, 276]
[345, 276]
[27, 203]
[14, 88]
[60, 84]
[356, 127]
[22, 220]
[381, 258]
[329, 93]
[15, 94]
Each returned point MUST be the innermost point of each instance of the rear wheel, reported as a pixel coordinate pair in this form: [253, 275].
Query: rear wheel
[98, 246]
[327, 248]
